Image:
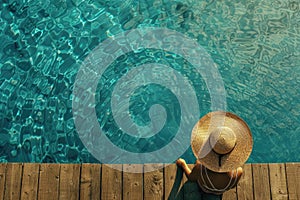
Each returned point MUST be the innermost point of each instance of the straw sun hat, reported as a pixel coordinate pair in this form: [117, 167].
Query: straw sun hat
[221, 141]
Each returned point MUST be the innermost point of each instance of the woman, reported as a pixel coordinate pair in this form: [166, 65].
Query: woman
[222, 142]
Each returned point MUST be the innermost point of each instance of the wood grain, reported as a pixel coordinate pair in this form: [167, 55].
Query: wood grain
[2, 179]
[108, 182]
[30, 181]
[111, 182]
[153, 182]
[245, 185]
[90, 181]
[48, 181]
[170, 187]
[293, 180]
[132, 182]
[261, 183]
[69, 181]
[13, 181]
[278, 182]
[230, 194]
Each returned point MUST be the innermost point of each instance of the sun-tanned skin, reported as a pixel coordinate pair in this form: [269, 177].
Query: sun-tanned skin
[219, 180]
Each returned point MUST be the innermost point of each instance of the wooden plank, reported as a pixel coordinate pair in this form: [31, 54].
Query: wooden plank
[273, 181]
[13, 181]
[261, 183]
[278, 181]
[293, 180]
[132, 182]
[111, 182]
[2, 179]
[171, 184]
[69, 181]
[30, 181]
[90, 181]
[48, 181]
[245, 185]
[153, 182]
[230, 194]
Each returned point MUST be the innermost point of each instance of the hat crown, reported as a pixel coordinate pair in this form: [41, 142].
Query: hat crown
[222, 140]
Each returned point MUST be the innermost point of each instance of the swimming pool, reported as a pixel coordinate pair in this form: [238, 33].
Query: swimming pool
[43, 44]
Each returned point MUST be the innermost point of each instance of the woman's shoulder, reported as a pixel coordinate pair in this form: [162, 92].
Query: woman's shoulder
[232, 174]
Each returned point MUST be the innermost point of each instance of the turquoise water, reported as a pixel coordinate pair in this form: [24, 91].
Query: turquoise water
[255, 44]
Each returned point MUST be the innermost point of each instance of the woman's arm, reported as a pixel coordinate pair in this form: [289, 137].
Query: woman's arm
[193, 174]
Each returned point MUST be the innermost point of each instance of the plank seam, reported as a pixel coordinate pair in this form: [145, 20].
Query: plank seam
[79, 179]
[164, 182]
[143, 181]
[253, 193]
[38, 188]
[5, 171]
[122, 182]
[143, 177]
[100, 182]
[286, 180]
[38, 181]
[268, 167]
[270, 188]
[21, 180]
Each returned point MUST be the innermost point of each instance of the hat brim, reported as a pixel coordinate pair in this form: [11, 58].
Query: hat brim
[202, 148]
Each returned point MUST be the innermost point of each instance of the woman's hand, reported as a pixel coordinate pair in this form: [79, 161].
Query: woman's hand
[236, 173]
[180, 162]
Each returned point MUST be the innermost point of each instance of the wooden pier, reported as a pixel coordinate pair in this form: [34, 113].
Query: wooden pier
[95, 181]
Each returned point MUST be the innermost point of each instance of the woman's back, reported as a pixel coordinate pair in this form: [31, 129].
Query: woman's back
[210, 181]
[217, 183]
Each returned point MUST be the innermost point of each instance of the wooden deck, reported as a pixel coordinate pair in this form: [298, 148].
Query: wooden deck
[94, 181]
